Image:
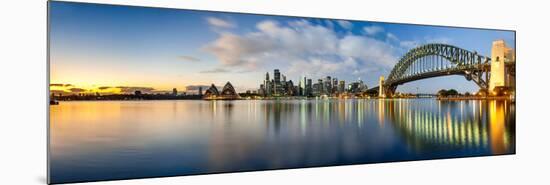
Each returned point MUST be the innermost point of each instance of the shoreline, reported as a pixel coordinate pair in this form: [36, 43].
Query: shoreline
[475, 98]
[310, 98]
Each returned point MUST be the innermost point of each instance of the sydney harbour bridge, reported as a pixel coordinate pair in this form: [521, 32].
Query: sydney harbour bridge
[435, 60]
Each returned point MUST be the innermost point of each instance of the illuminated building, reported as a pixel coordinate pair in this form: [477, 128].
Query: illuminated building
[501, 79]
[334, 89]
[381, 92]
[328, 85]
[341, 86]
[211, 92]
[309, 88]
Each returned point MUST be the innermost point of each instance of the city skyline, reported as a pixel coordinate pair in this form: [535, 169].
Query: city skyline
[120, 50]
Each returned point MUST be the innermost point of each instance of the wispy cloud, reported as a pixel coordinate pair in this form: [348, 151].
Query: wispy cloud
[196, 87]
[220, 23]
[77, 90]
[188, 58]
[373, 30]
[61, 85]
[216, 70]
[390, 37]
[409, 44]
[132, 89]
[345, 24]
[442, 40]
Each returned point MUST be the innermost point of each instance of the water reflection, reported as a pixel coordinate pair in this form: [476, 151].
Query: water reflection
[462, 125]
[129, 139]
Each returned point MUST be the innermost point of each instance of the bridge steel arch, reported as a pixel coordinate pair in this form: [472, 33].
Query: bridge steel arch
[433, 60]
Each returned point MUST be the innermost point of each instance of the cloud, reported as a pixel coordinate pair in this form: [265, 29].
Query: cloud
[61, 85]
[369, 50]
[409, 44]
[329, 24]
[196, 87]
[216, 70]
[373, 30]
[220, 23]
[189, 58]
[390, 37]
[345, 24]
[104, 87]
[131, 89]
[57, 92]
[441, 40]
[300, 47]
[77, 90]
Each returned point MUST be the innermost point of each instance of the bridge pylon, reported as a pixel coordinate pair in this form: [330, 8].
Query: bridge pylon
[385, 90]
[381, 88]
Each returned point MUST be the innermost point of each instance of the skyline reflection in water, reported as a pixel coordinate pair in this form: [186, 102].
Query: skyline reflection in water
[100, 140]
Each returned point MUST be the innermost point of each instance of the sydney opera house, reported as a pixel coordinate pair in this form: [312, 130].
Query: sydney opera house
[227, 93]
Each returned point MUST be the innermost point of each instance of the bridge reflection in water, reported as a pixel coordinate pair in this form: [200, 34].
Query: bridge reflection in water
[425, 125]
[464, 124]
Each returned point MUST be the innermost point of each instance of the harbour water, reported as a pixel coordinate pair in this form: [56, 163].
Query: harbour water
[103, 140]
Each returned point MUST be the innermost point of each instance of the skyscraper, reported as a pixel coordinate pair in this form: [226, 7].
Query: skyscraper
[200, 90]
[342, 86]
[174, 92]
[334, 85]
[362, 86]
[267, 85]
[277, 76]
[328, 85]
[277, 86]
[261, 91]
[309, 88]
[320, 88]
[300, 89]
[303, 86]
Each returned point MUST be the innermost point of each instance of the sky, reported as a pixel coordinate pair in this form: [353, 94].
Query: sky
[120, 49]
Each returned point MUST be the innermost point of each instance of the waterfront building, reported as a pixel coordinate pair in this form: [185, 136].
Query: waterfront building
[228, 90]
[334, 86]
[261, 91]
[320, 88]
[276, 82]
[300, 89]
[302, 85]
[501, 78]
[328, 85]
[278, 85]
[341, 86]
[381, 92]
[309, 87]
[353, 87]
[316, 89]
[211, 92]
[362, 86]
[267, 85]
[174, 92]
[228, 93]
[289, 88]
[277, 76]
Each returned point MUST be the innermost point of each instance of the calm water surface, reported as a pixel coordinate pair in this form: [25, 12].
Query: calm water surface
[100, 140]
